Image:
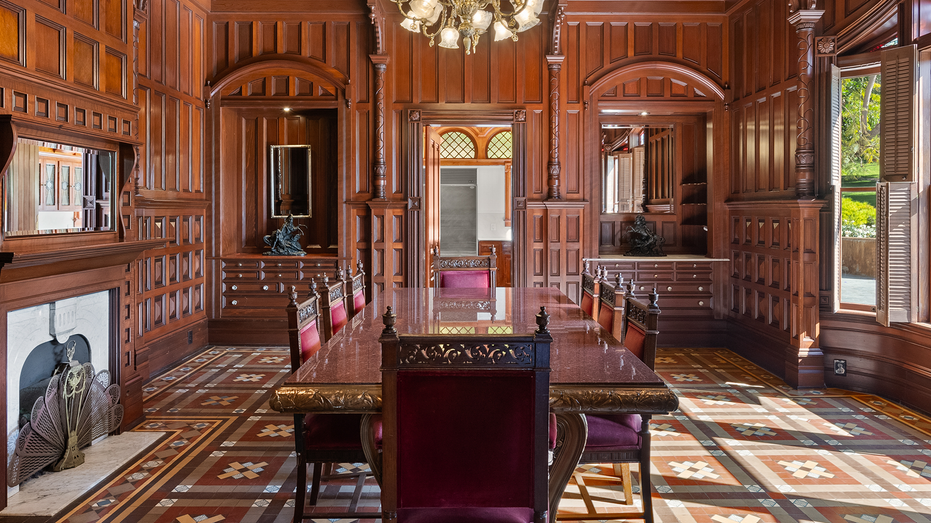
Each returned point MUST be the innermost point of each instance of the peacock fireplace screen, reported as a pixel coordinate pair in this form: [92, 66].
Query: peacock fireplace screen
[78, 407]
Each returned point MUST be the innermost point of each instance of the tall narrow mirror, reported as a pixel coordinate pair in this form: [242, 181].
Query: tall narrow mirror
[638, 168]
[290, 181]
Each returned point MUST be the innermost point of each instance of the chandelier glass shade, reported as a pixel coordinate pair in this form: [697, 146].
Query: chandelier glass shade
[448, 19]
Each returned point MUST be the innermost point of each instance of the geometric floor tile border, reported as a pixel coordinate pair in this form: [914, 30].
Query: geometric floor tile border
[744, 447]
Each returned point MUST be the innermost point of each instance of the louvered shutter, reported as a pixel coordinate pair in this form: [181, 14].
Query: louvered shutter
[836, 123]
[897, 193]
[898, 114]
[896, 252]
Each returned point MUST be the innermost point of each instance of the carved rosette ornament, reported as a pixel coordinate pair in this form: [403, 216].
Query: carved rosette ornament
[804, 21]
[414, 115]
[520, 115]
[826, 46]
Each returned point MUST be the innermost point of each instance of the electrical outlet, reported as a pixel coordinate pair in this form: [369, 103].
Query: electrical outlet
[840, 367]
[190, 337]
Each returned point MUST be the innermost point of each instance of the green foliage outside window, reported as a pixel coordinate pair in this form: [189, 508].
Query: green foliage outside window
[858, 219]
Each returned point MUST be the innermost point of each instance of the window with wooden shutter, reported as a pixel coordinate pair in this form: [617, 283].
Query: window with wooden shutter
[836, 126]
[897, 192]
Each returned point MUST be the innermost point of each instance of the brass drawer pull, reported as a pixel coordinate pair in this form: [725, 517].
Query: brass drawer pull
[669, 289]
[265, 287]
[234, 302]
[235, 288]
[700, 303]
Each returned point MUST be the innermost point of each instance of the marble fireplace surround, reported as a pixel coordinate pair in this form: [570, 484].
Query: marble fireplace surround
[88, 316]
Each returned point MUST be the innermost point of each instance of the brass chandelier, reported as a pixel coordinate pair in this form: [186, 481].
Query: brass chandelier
[470, 18]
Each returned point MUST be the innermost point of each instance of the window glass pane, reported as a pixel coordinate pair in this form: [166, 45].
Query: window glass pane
[65, 185]
[457, 145]
[859, 174]
[500, 145]
[49, 189]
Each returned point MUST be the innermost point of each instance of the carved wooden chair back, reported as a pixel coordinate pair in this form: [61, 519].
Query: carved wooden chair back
[333, 306]
[611, 306]
[492, 390]
[355, 289]
[588, 295]
[465, 271]
[304, 332]
[641, 320]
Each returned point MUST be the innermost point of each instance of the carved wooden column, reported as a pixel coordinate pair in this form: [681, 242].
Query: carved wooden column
[379, 178]
[804, 361]
[555, 65]
[804, 21]
[139, 17]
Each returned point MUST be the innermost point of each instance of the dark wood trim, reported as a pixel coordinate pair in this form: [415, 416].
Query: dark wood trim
[49, 263]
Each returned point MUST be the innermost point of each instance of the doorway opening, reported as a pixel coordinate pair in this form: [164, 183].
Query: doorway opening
[467, 191]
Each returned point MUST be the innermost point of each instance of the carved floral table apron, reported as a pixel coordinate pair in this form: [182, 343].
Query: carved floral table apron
[591, 371]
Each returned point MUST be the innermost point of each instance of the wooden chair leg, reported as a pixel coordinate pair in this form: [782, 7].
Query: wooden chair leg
[301, 490]
[622, 470]
[315, 485]
[646, 492]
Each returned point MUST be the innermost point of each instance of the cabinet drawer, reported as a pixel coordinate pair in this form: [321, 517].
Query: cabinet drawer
[248, 286]
[613, 266]
[693, 266]
[653, 276]
[657, 265]
[693, 275]
[683, 302]
[234, 301]
[684, 288]
[241, 264]
[283, 265]
[276, 275]
[242, 275]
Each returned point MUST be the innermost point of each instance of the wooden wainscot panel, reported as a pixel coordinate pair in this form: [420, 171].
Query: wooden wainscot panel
[12, 33]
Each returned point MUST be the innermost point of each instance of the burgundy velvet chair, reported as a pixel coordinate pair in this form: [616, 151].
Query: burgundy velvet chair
[355, 289]
[466, 427]
[611, 306]
[319, 438]
[623, 439]
[588, 295]
[333, 306]
[464, 271]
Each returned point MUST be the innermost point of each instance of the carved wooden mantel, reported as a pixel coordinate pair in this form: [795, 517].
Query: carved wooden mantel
[49, 263]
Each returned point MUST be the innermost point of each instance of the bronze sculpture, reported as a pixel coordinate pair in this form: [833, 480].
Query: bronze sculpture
[286, 240]
[643, 241]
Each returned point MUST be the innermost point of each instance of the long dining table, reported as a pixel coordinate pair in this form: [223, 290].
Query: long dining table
[592, 372]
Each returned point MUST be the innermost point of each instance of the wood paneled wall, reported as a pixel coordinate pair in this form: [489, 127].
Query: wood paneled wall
[171, 197]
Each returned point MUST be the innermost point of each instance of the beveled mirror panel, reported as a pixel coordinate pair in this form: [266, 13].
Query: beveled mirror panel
[290, 181]
[638, 168]
[55, 188]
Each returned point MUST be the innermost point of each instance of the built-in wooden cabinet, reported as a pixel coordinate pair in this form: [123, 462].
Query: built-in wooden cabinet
[686, 294]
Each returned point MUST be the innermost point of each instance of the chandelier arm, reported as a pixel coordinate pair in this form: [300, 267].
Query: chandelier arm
[440, 24]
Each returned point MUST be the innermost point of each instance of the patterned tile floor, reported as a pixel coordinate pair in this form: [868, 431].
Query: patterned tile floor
[744, 448]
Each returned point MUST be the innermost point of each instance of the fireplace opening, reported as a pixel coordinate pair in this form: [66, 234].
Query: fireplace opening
[45, 362]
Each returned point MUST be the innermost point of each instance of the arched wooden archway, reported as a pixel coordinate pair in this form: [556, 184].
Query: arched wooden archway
[660, 88]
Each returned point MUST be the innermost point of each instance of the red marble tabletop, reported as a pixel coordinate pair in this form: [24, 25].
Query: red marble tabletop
[582, 353]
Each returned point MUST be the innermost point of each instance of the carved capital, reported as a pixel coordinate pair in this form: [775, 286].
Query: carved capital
[805, 18]
[804, 159]
[414, 115]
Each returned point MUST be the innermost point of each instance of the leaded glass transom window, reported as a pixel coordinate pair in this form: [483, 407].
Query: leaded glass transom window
[457, 145]
[500, 145]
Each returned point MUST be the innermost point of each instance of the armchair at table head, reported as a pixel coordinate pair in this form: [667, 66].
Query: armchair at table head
[589, 291]
[625, 438]
[333, 306]
[473, 411]
[465, 271]
[355, 289]
[611, 306]
[320, 438]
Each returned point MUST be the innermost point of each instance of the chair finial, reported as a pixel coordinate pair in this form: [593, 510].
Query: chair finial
[293, 295]
[618, 281]
[654, 297]
[313, 285]
[494, 250]
[585, 267]
[543, 319]
[349, 271]
[630, 288]
[339, 273]
[389, 318]
[326, 280]
[359, 265]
